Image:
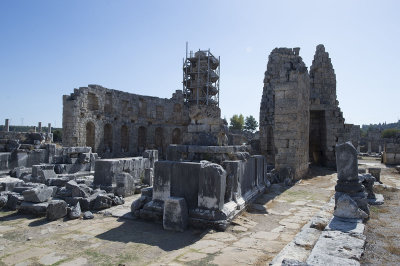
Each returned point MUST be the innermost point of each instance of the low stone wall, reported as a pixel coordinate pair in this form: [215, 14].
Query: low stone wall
[216, 154]
[391, 154]
[214, 193]
[122, 175]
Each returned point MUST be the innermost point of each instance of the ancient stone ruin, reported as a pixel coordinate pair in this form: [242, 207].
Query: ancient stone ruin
[203, 182]
[176, 163]
[300, 120]
[119, 124]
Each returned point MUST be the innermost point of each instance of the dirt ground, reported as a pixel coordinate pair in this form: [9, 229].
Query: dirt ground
[383, 228]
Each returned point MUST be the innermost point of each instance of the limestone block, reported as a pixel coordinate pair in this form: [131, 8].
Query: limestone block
[148, 176]
[346, 207]
[125, 185]
[33, 208]
[56, 210]
[375, 172]
[152, 155]
[9, 183]
[175, 215]
[346, 161]
[105, 169]
[38, 194]
[248, 176]
[75, 212]
[162, 180]
[185, 182]
[212, 184]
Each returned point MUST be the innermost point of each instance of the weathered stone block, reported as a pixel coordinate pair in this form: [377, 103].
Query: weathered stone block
[346, 161]
[175, 215]
[212, 184]
[33, 208]
[185, 182]
[38, 194]
[346, 207]
[124, 184]
[56, 210]
[162, 180]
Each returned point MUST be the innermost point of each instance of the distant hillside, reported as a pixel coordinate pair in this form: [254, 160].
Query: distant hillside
[381, 126]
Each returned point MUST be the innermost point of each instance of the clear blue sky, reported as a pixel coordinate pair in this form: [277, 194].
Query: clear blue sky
[48, 48]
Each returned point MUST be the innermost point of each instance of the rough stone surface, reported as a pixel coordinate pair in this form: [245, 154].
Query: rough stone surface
[56, 210]
[75, 211]
[346, 207]
[175, 216]
[38, 194]
[346, 161]
[102, 202]
[284, 111]
[336, 248]
[33, 208]
[88, 215]
[121, 124]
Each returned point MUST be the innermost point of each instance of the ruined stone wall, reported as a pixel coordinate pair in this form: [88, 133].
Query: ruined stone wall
[118, 124]
[391, 153]
[326, 117]
[352, 133]
[284, 111]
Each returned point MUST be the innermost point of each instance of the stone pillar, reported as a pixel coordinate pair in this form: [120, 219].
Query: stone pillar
[40, 126]
[380, 148]
[369, 147]
[7, 125]
[49, 128]
[350, 197]
[34, 129]
[358, 148]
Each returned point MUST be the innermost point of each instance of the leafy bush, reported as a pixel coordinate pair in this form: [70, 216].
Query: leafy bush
[390, 133]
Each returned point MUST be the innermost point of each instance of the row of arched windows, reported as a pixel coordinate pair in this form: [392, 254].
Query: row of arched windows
[142, 137]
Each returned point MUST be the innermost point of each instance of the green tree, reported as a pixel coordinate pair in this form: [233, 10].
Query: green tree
[250, 124]
[237, 122]
[390, 133]
[57, 135]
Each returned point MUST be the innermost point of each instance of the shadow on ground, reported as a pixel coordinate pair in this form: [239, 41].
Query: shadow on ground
[150, 233]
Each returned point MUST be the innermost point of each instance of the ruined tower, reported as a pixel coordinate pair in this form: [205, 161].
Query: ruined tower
[326, 119]
[201, 92]
[201, 78]
[284, 111]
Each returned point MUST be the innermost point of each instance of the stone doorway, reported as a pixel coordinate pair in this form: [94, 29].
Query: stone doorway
[142, 132]
[159, 139]
[108, 136]
[124, 138]
[90, 135]
[176, 136]
[317, 138]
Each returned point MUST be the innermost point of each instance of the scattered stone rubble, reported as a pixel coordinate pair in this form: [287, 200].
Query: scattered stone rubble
[338, 240]
[63, 181]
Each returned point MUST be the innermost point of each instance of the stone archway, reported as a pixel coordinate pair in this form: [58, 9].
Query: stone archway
[159, 139]
[90, 135]
[142, 136]
[108, 138]
[124, 138]
[176, 136]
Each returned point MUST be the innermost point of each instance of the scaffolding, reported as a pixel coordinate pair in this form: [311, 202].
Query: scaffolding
[201, 77]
